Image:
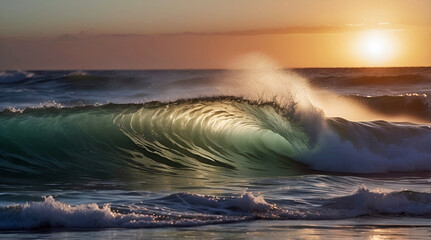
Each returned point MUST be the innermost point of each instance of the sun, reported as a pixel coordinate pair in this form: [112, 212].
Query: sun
[375, 47]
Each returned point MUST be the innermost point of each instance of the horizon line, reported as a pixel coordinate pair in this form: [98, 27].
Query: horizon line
[198, 69]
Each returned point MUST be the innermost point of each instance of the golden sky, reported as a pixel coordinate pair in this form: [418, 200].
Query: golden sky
[168, 34]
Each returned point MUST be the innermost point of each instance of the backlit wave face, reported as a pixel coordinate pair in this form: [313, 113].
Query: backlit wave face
[256, 119]
[231, 135]
[200, 134]
[223, 132]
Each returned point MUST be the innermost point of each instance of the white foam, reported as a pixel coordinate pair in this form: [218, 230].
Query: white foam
[189, 209]
[13, 110]
[50, 104]
[54, 214]
[51, 213]
[366, 149]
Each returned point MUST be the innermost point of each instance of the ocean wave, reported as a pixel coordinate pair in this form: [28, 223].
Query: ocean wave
[365, 202]
[372, 80]
[205, 135]
[410, 104]
[53, 214]
[190, 209]
[13, 77]
[78, 73]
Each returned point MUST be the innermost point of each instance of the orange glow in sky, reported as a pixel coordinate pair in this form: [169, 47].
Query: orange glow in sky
[164, 34]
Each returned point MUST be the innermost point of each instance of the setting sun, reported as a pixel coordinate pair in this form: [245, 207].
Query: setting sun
[215, 119]
[375, 47]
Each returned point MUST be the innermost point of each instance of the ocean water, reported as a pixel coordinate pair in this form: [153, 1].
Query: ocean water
[255, 153]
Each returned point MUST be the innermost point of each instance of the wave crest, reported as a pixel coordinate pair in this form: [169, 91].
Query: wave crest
[13, 77]
[205, 135]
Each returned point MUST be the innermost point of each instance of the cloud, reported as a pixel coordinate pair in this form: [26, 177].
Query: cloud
[275, 31]
[86, 34]
[83, 34]
[308, 29]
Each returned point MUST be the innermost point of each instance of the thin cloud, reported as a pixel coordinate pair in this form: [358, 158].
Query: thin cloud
[66, 37]
[253, 32]
[307, 29]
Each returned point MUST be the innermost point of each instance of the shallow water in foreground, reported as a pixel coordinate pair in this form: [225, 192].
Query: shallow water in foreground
[346, 229]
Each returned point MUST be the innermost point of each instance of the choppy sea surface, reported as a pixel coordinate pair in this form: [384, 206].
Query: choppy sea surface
[257, 153]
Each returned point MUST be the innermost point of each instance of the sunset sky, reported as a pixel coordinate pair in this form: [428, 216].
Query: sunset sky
[132, 34]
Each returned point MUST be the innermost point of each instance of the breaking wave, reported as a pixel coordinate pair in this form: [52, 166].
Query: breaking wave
[205, 135]
[190, 209]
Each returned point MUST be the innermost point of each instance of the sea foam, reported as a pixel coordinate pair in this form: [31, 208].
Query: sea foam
[190, 209]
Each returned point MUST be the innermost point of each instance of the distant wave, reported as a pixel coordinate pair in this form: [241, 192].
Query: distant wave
[78, 73]
[11, 77]
[369, 80]
[415, 105]
[203, 134]
[189, 209]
